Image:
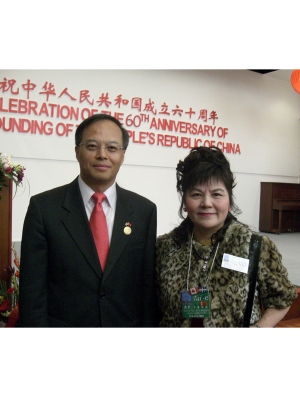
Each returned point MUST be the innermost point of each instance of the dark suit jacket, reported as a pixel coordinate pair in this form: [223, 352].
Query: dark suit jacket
[61, 281]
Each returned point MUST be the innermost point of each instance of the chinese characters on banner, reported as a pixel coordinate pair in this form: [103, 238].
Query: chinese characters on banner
[147, 123]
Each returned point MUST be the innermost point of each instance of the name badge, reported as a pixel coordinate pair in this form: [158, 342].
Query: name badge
[195, 303]
[235, 263]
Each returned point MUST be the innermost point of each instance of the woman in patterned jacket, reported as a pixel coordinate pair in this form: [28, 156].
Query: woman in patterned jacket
[202, 265]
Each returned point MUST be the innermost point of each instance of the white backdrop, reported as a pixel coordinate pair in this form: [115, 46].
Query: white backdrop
[260, 115]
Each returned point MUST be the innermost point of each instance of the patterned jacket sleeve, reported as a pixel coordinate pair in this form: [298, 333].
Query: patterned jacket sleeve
[276, 291]
[159, 260]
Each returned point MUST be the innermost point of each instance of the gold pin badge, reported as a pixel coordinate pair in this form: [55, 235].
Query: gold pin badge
[127, 229]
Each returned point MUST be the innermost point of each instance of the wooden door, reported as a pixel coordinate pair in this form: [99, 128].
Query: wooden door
[5, 228]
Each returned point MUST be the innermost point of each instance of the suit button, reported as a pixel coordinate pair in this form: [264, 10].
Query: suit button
[102, 296]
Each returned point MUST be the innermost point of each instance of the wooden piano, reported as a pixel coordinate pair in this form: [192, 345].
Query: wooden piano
[279, 207]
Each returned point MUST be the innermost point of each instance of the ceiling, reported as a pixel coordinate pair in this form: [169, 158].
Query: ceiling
[284, 74]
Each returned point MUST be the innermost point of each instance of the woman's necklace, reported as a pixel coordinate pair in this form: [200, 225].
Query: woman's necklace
[205, 242]
[205, 255]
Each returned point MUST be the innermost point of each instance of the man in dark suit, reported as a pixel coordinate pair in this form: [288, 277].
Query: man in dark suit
[61, 280]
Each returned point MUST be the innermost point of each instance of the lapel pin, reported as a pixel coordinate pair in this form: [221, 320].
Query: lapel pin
[127, 229]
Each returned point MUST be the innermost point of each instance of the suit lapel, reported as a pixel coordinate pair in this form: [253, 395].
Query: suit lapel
[119, 239]
[76, 222]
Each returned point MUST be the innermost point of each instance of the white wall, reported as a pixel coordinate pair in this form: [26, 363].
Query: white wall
[261, 114]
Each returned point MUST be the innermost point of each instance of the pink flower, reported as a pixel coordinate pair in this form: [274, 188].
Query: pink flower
[7, 168]
[20, 176]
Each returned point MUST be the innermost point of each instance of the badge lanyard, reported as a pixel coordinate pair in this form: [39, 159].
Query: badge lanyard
[196, 301]
[190, 260]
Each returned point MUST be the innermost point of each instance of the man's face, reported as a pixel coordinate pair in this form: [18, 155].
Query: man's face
[98, 166]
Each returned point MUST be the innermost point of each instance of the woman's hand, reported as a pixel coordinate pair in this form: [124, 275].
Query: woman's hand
[271, 318]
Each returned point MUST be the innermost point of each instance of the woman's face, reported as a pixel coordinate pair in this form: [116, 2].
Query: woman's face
[207, 206]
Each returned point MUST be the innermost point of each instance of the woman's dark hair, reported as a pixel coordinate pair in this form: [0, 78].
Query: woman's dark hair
[200, 166]
[98, 117]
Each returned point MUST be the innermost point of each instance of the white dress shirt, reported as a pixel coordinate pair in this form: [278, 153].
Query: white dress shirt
[109, 205]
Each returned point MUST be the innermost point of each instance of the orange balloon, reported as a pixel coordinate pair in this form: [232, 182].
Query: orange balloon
[295, 80]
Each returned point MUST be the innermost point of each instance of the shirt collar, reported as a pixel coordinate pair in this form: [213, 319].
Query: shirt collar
[87, 192]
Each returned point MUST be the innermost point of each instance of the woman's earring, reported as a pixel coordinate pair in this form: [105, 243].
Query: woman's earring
[184, 209]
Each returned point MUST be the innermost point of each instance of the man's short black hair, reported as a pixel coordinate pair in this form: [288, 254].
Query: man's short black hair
[98, 117]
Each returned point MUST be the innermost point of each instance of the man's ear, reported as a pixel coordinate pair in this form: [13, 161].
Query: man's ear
[76, 151]
[123, 157]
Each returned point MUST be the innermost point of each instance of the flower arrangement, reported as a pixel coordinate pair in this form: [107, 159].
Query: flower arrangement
[9, 296]
[10, 170]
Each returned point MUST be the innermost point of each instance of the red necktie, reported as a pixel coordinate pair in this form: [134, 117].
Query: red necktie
[99, 228]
